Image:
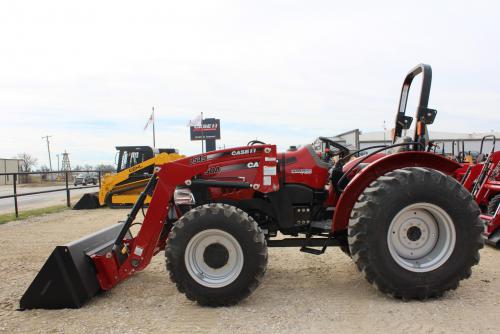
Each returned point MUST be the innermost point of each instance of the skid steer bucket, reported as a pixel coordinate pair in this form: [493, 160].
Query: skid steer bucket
[68, 277]
[88, 201]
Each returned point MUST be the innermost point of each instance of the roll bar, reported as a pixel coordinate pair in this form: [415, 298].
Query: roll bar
[494, 142]
[460, 153]
[424, 114]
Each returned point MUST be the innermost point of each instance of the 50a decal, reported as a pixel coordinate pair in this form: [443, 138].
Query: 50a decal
[213, 170]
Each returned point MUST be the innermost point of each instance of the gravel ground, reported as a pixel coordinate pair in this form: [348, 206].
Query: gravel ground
[301, 293]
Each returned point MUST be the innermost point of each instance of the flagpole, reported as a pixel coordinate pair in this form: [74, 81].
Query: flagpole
[154, 139]
[385, 129]
[202, 134]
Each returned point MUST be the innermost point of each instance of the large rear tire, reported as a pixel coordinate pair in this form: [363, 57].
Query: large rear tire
[216, 254]
[415, 233]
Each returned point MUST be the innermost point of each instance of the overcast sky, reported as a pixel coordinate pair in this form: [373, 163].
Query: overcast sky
[285, 72]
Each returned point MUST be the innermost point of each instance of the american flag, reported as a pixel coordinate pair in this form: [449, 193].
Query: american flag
[150, 120]
[196, 121]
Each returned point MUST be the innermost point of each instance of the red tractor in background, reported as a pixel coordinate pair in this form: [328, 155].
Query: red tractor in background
[482, 179]
[410, 227]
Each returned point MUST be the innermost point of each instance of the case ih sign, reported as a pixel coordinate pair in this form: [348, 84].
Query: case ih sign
[210, 129]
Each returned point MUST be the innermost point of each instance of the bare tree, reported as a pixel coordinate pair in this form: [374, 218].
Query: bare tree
[105, 168]
[27, 161]
[44, 172]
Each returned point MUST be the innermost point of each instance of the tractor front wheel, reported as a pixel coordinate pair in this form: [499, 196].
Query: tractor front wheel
[216, 254]
[415, 233]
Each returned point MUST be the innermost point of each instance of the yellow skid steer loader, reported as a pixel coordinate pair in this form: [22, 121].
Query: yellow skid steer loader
[135, 165]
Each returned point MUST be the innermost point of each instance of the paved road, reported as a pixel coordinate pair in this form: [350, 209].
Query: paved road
[41, 200]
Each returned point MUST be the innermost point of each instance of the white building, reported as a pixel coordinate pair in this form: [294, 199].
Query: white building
[8, 166]
[451, 141]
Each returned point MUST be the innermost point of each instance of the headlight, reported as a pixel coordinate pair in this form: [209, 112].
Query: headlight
[183, 196]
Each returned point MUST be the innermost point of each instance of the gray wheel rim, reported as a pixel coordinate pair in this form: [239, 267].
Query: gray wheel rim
[421, 237]
[201, 272]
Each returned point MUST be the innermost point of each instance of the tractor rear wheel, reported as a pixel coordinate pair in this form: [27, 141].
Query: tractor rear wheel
[415, 233]
[216, 254]
[493, 204]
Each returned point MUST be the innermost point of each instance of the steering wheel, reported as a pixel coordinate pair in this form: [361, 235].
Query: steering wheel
[253, 142]
[343, 151]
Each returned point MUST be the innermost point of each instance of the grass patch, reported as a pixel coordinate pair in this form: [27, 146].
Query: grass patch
[4, 218]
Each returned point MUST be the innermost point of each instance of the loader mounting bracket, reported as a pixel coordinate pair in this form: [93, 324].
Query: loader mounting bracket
[427, 115]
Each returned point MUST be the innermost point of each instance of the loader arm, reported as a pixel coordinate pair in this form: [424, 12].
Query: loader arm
[131, 255]
[487, 182]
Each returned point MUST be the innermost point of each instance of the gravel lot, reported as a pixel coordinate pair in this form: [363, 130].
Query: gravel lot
[301, 293]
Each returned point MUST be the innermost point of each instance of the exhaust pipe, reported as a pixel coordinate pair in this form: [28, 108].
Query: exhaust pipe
[68, 279]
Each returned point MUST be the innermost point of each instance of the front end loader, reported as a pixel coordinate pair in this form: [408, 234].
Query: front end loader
[134, 167]
[410, 227]
[482, 179]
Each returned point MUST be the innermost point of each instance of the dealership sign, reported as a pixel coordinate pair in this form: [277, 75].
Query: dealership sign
[209, 129]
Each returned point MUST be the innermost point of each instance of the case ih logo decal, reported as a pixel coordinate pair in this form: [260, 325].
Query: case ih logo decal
[302, 171]
[245, 151]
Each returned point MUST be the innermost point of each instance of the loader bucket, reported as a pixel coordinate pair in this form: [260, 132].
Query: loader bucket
[68, 277]
[88, 201]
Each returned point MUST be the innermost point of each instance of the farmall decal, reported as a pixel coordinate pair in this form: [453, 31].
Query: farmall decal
[302, 171]
[213, 170]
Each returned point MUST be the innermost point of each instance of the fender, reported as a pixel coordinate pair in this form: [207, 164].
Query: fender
[380, 167]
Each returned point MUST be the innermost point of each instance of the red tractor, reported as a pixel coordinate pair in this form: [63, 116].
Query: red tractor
[410, 227]
[482, 179]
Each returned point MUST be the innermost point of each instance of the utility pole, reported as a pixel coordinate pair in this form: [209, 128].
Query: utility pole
[57, 155]
[48, 149]
[385, 130]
